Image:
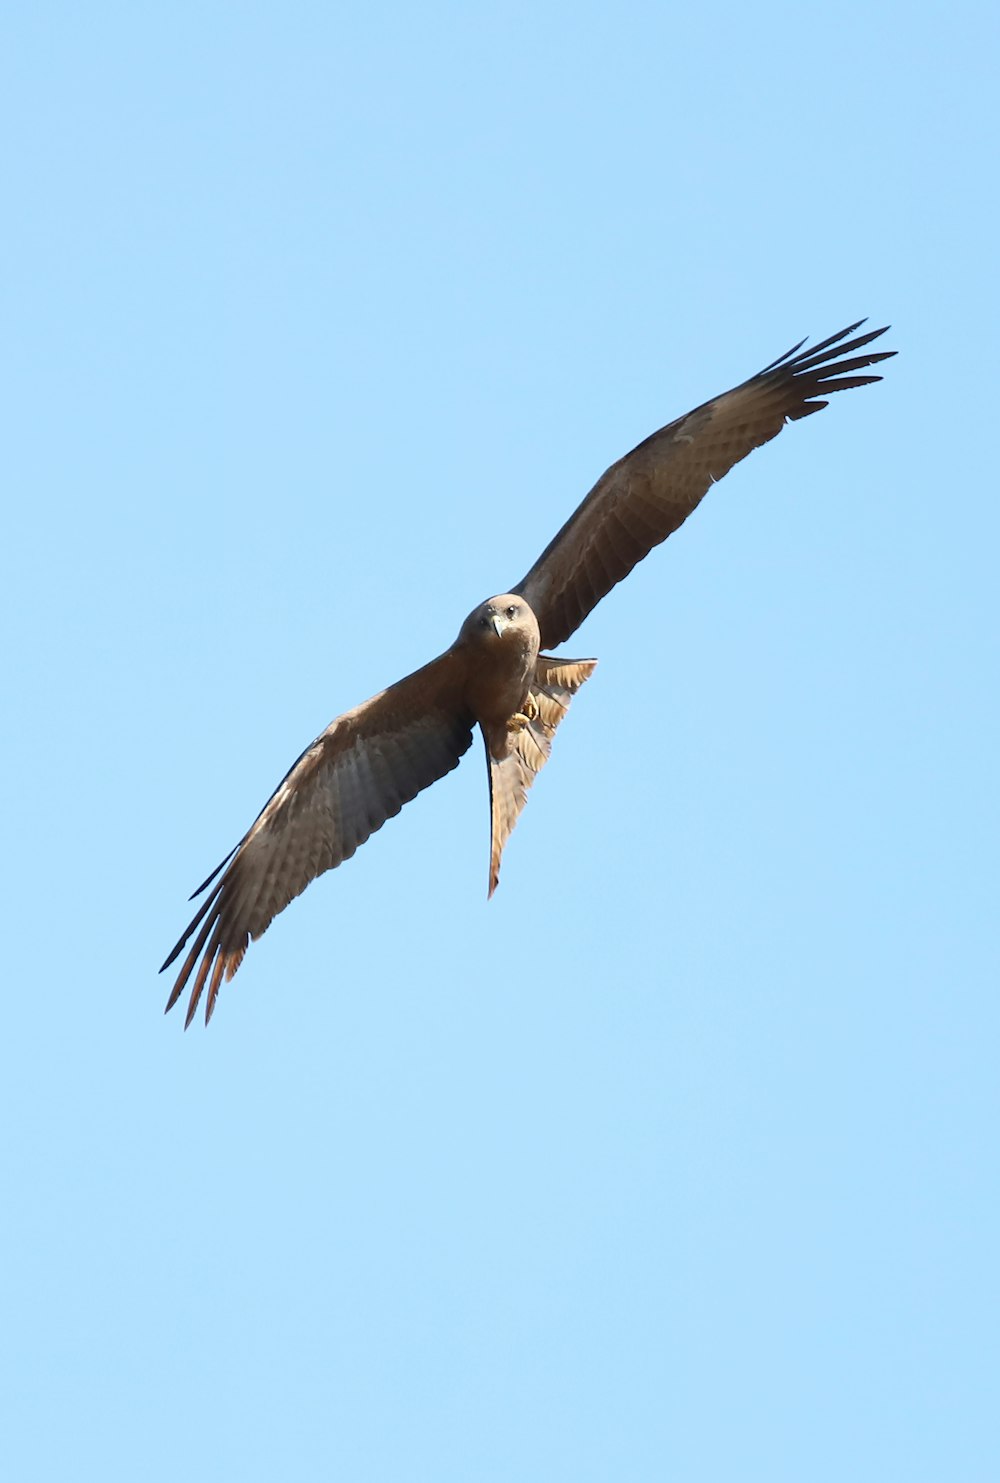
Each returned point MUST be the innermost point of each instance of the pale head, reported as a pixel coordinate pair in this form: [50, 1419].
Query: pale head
[506, 619]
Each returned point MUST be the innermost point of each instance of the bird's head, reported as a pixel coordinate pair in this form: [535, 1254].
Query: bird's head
[505, 619]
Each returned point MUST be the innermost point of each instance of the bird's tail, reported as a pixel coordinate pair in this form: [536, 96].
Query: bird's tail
[556, 682]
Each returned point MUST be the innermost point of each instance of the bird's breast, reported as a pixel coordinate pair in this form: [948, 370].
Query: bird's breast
[499, 677]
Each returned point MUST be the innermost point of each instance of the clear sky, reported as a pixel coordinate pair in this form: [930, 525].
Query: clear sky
[678, 1159]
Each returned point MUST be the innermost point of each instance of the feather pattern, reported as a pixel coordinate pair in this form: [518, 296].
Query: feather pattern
[357, 774]
[648, 494]
[556, 682]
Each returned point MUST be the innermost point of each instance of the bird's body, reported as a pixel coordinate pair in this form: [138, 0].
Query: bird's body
[498, 643]
[373, 759]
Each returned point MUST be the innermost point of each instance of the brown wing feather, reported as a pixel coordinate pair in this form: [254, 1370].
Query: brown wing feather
[644, 497]
[357, 774]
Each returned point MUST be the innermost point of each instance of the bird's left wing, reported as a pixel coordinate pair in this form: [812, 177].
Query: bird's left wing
[644, 497]
[357, 774]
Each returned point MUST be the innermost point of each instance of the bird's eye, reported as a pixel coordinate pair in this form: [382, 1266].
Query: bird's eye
[512, 611]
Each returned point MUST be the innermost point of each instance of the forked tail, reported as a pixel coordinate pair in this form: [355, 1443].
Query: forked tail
[556, 682]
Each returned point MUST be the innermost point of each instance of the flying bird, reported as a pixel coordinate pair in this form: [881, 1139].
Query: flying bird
[373, 759]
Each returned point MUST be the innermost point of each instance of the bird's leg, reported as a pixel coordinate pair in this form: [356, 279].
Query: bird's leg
[520, 719]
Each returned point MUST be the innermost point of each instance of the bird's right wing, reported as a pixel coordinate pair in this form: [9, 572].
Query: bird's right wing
[646, 495]
[357, 774]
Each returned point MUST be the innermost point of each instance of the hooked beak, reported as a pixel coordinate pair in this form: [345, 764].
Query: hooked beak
[499, 624]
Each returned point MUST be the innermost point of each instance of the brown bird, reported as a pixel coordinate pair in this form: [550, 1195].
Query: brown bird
[372, 760]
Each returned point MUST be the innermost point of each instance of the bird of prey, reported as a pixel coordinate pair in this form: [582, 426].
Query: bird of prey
[373, 759]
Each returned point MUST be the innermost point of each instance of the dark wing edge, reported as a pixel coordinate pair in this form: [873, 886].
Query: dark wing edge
[359, 772]
[648, 494]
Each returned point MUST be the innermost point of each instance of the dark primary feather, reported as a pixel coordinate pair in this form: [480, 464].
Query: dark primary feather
[357, 774]
[646, 495]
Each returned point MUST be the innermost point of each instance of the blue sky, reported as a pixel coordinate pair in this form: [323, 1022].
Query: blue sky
[677, 1160]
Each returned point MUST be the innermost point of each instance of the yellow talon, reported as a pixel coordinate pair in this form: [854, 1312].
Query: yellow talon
[520, 719]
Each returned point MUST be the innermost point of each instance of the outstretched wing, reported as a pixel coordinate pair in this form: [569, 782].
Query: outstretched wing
[357, 774]
[644, 497]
